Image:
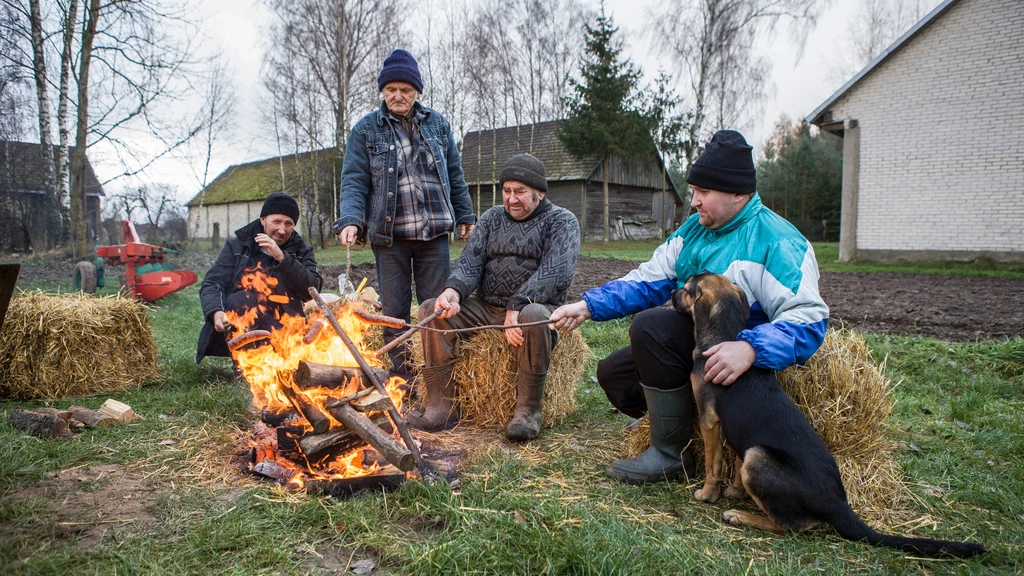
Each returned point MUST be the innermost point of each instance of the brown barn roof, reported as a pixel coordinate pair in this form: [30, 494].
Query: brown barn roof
[22, 168]
[484, 152]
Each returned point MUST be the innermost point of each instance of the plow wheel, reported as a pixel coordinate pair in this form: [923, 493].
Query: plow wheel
[85, 277]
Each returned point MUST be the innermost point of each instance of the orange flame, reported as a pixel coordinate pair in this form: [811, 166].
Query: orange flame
[268, 368]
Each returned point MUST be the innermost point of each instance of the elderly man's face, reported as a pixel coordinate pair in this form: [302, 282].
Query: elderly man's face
[716, 207]
[399, 97]
[520, 200]
[278, 226]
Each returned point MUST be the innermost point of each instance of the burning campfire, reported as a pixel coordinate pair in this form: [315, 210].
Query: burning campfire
[328, 408]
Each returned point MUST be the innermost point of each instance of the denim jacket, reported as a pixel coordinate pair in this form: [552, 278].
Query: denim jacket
[369, 175]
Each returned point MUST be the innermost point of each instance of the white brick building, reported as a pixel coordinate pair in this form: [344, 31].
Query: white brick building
[933, 129]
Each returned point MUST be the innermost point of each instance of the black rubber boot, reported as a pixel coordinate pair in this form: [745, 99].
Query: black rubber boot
[670, 413]
[440, 413]
[526, 421]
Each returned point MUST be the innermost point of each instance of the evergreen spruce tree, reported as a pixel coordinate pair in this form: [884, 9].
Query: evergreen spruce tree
[605, 111]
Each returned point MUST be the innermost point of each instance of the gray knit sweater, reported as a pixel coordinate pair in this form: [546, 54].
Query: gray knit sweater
[511, 263]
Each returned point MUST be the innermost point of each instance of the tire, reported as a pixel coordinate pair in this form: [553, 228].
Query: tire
[85, 277]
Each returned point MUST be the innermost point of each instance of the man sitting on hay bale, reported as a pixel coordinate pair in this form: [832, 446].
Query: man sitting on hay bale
[271, 245]
[733, 234]
[516, 268]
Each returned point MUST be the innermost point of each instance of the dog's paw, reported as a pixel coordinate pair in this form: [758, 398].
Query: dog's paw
[736, 493]
[709, 495]
[732, 517]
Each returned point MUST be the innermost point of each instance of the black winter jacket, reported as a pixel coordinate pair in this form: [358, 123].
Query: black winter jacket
[295, 274]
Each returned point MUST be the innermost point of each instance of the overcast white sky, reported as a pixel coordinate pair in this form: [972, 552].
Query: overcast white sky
[234, 27]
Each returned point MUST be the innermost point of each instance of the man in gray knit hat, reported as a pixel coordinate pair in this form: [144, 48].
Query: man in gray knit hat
[516, 268]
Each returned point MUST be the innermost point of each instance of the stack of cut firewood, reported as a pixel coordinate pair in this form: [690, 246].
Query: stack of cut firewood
[55, 424]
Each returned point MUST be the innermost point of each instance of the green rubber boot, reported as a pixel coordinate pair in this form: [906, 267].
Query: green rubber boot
[440, 413]
[670, 413]
[526, 421]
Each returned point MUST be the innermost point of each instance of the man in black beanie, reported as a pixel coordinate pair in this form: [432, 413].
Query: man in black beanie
[270, 245]
[733, 234]
[402, 188]
[516, 268]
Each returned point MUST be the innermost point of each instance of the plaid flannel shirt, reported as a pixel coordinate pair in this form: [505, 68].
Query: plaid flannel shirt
[420, 212]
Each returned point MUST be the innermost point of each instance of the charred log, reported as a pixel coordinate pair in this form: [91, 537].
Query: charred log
[279, 418]
[312, 375]
[390, 448]
[318, 420]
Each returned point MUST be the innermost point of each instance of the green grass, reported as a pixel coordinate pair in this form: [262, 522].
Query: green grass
[543, 508]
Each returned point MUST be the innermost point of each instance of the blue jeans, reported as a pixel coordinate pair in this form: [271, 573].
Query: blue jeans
[429, 263]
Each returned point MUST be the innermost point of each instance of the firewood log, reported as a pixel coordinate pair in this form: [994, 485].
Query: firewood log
[312, 375]
[318, 420]
[43, 424]
[119, 410]
[92, 418]
[319, 449]
[396, 453]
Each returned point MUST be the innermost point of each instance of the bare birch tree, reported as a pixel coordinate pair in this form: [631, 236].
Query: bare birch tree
[711, 42]
[876, 24]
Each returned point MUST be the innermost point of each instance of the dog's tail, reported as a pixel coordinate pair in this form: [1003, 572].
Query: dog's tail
[851, 527]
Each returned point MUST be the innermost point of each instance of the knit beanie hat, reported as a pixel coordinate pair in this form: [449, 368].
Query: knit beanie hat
[726, 165]
[400, 66]
[280, 203]
[526, 169]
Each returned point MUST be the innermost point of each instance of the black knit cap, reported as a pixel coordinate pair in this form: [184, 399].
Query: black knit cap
[280, 203]
[726, 165]
[526, 169]
[400, 66]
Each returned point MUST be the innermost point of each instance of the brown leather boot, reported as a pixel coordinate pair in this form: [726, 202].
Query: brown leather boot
[525, 423]
[440, 413]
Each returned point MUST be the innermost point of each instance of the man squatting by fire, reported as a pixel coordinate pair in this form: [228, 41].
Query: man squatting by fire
[516, 268]
[271, 245]
[733, 234]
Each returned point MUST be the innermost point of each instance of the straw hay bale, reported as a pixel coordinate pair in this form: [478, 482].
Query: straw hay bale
[847, 399]
[59, 345]
[485, 372]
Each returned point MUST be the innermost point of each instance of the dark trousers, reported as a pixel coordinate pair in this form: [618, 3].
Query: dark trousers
[533, 356]
[429, 263]
[660, 354]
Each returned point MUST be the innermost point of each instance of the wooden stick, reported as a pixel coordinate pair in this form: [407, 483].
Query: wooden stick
[346, 399]
[404, 335]
[403, 426]
[310, 411]
[388, 447]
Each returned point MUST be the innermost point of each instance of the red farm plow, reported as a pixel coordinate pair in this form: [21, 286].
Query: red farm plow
[146, 277]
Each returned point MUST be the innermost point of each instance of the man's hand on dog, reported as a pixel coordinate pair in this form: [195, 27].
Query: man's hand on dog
[728, 361]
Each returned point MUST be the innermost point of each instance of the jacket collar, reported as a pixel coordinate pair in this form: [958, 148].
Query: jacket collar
[752, 209]
[422, 112]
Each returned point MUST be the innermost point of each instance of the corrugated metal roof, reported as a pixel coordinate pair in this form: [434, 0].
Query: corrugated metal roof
[817, 117]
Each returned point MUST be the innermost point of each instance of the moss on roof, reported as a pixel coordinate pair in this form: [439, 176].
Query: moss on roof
[254, 181]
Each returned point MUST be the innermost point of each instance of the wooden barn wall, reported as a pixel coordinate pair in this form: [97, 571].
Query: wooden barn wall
[631, 212]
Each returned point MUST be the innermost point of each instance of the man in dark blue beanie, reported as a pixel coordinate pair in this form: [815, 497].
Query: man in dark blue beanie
[402, 188]
[733, 234]
[271, 246]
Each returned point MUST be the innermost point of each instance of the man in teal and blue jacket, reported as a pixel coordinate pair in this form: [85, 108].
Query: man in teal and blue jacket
[733, 234]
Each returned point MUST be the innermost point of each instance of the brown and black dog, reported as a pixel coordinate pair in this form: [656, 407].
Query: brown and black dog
[781, 462]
